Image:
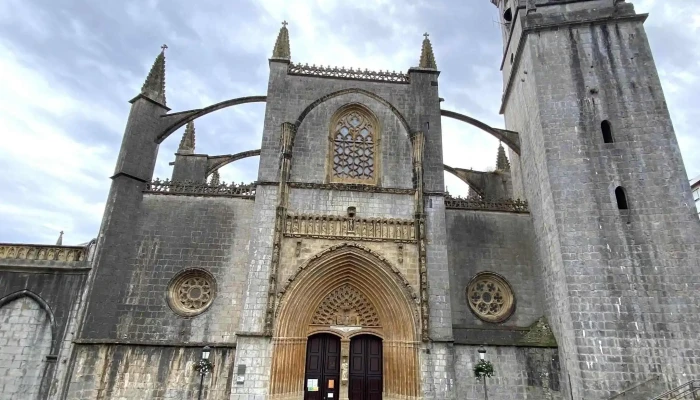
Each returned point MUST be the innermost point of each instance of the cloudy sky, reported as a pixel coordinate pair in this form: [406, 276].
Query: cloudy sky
[69, 68]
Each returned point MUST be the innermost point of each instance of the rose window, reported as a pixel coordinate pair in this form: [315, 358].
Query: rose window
[191, 292]
[490, 297]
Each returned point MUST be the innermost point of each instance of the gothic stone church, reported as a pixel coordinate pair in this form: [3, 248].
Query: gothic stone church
[347, 272]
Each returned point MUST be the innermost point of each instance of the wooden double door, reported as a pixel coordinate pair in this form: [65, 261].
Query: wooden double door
[365, 368]
[322, 377]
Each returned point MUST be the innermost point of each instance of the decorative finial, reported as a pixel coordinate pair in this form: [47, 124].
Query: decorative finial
[427, 58]
[502, 163]
[154, 87]
[59, 242]
[187, 141]
[281, 49]
[215, 178]
[164, 47]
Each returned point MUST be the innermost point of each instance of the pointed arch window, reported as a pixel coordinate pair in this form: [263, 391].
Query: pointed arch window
[354, 136]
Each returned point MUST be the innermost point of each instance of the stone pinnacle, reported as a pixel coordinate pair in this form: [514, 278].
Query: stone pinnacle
[427, 58]
[502, 163]
[154, 87]
[188, 139]
[281, 49]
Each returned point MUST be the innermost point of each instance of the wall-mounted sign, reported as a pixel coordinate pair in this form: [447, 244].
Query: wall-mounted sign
[312, 385]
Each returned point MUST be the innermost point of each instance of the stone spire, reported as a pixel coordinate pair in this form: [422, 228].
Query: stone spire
[215, 178]
[502, 163]
[187, 141]
[427, 58]
[59, 242]
[154, 87]
[281, 49]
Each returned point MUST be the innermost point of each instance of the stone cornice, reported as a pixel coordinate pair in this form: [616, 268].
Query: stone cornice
[335, 227]
[349, 187]
[153, 343]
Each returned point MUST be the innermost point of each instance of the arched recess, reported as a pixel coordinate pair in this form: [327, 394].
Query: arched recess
[510, 138]
[172, 122]
[329, 96]
[384, 289]
[216, 162]
[44, 306]
[465, 176]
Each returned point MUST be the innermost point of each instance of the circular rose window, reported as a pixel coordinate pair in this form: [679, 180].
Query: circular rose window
[191, 292]
[490, 297]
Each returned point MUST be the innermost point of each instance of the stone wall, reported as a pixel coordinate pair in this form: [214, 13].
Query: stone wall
[520, 373]
[150, 373]
[25, 341]
[619, 284]
[497, 242]
[175, 233]
[288, 97]
[311, 145]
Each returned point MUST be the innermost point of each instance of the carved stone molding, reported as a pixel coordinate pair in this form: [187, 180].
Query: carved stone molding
[340, 290]
[345, 227]
[348, 73]
[42, 253]
[349, 187]
[316, 257]
[289, 131]
[508, 205]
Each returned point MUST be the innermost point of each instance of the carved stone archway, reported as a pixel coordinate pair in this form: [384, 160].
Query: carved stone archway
[347, 291]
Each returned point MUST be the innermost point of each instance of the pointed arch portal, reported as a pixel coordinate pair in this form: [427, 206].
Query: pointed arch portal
[375, 301]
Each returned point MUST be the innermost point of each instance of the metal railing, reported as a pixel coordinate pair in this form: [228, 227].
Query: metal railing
[687, 391]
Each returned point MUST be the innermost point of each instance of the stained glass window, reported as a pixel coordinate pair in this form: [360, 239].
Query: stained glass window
[354, 138]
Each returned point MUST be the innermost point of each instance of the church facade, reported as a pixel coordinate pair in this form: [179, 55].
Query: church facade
[347, 272]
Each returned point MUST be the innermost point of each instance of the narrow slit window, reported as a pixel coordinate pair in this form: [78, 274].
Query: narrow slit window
[607, 131]
[621, 197]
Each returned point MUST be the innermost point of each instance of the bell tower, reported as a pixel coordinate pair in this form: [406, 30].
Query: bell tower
[614, 221]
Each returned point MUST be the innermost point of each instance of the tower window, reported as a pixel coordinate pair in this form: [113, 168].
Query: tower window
[606, 127]
[354, 133]
[508, 15]
[621, 197]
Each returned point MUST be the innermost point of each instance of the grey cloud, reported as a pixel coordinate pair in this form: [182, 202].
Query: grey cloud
[99, 52]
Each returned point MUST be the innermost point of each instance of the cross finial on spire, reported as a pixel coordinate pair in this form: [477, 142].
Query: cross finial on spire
[281, 49]
[164, 47]
[427, 58]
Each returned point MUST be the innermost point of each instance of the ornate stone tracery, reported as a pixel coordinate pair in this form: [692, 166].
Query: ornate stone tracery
[346, 306]
[191, 292]
[354, 134]
[330, 279]
[490, 297]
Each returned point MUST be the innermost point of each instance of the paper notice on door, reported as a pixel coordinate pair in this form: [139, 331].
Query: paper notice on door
[330, 395]
[331, 384]
[312, 385]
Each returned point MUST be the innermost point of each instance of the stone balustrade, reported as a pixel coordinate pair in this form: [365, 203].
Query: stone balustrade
[36, 252]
